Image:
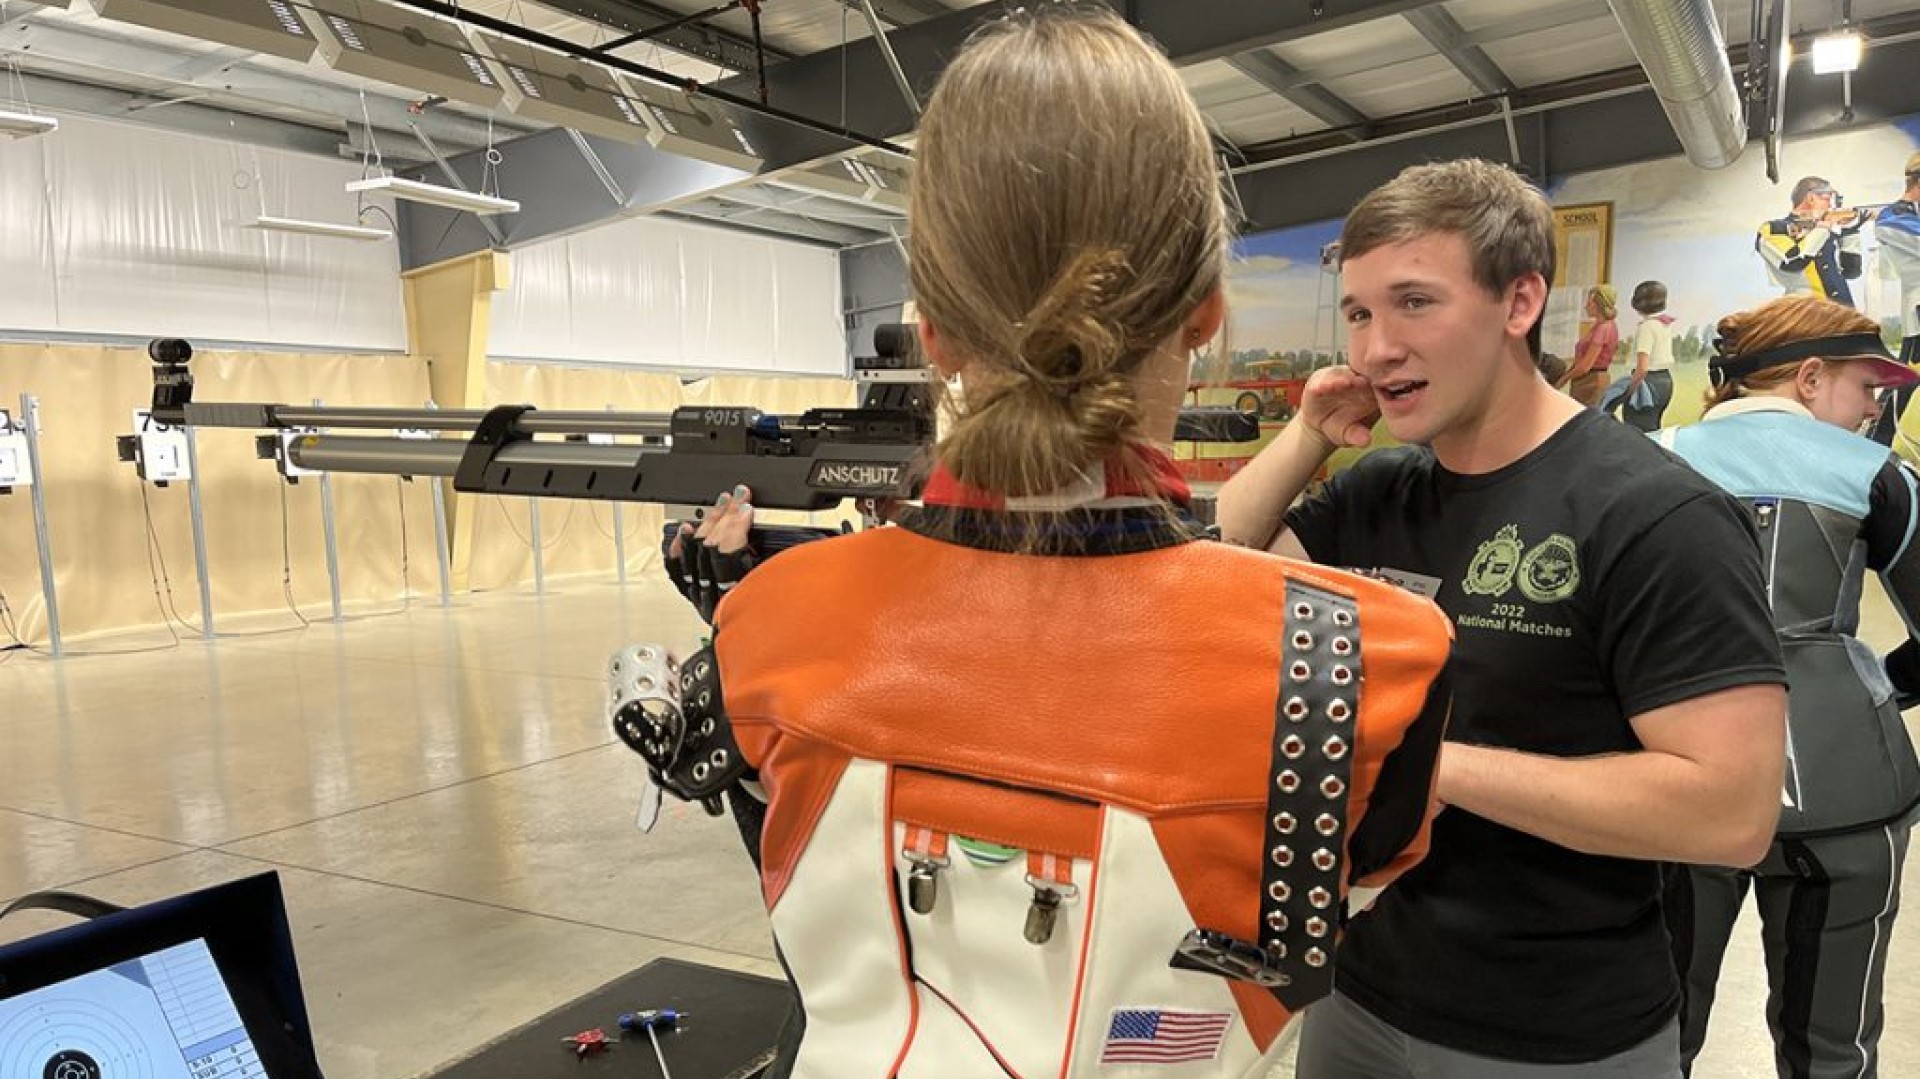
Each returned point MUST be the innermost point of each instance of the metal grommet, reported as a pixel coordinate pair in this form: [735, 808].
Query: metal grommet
[1284, 823]
[1282, 856]
[707, 727]
[1303, 611]
[1316, 958]
[1276, 948]
[719, 758]
[1302, 641]
[1342, 674]
[1291, 747]
[1320, 898]
[1324, 860]
[1277, 921]
[1339, 710]
[1326, 824]
[1299, 672]
[646, 655]
[700, 772]
[1343, 618]
[1335, 748]
[1316, 927]
[704, 700]
[644, 684]
[1288, 781]
[1332, 787]
[1343, 646]
[1280, 891]
[1296, 709]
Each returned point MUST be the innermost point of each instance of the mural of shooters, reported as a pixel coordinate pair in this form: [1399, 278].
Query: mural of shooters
[1284, 305]
[1817, 247]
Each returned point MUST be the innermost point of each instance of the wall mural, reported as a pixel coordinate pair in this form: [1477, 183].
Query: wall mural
[1671, 222]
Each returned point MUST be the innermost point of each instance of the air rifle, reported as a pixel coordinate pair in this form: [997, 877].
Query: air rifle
[877, 450]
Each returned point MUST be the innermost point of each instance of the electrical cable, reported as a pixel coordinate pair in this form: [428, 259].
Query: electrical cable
[286, 557]
[527, 540]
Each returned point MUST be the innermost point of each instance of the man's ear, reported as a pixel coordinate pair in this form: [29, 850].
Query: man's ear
[935, 348]
[1528, 303]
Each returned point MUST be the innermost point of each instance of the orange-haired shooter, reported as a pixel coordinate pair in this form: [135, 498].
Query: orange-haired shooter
[1057, 787]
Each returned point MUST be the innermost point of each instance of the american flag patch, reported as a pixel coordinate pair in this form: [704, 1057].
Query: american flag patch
[1163, 1036]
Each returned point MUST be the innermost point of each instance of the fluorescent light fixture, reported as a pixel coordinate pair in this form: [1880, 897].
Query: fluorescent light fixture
[1835, 53]
[318, 228]
[20, 125]
[435, 195]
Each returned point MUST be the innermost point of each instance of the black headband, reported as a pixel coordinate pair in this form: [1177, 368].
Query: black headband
[1724, 369]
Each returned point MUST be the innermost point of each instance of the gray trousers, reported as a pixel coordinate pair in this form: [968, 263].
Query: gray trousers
[1341, 1040]
[1826, 908]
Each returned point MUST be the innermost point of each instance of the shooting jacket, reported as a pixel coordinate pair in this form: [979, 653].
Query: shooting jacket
[1004, 788]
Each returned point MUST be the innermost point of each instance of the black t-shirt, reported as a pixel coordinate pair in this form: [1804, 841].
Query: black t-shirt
[1594, 579]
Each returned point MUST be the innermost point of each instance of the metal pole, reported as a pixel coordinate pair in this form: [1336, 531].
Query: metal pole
[30, 419]
[886, 54]
[333, 549]
[199, 534]
[539, 555]
[619, 538]
[327, 533]
[440, 555]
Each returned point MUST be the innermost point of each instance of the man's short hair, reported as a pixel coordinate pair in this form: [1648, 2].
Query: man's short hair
[1505, 220]
[1913, 168]
[1650, 297]
[1807, 186]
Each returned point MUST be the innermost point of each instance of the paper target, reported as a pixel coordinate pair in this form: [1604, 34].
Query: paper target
[70, 1038]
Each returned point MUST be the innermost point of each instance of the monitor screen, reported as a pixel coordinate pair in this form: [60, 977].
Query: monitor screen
[165, 1015]
[199, 986]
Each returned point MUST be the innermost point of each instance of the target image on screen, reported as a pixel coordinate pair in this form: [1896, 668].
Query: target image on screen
[166, 1015]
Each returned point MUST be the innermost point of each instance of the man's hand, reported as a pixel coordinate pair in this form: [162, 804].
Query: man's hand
[704, 563]
[1338, 405]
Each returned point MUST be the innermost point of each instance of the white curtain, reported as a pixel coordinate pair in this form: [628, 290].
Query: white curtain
[117, 229]
[656, 293]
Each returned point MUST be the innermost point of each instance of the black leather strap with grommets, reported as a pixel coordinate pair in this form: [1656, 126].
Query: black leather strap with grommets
[1313, 740]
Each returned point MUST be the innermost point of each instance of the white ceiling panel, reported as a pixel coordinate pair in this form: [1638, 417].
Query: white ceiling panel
[1217, 83]
[1247, 123]
[1394, 36]
[1566, 53]
[1404, 88]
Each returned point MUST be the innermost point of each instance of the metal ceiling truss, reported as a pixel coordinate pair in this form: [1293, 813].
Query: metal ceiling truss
[1263, 67]
[1445, 35]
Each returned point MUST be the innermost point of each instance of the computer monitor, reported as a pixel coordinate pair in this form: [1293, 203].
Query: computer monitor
[202, 986]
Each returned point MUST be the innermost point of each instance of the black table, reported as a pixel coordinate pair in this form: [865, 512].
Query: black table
[732, 1023]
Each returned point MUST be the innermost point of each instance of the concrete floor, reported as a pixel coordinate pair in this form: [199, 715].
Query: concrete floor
[452, 819]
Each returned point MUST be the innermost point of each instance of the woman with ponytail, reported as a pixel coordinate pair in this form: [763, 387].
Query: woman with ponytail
[1054, 785]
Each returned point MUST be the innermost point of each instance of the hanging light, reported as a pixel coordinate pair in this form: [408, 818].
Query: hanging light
[1837, 52]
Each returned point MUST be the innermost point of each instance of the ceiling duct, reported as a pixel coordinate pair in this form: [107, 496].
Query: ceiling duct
[702, 129]
[1678, 42]
[547, 87]
[404, 48]
[273, 27]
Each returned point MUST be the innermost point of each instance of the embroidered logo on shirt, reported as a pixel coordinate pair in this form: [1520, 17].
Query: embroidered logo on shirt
[1551, 571]
[1494, 564]
[1163, 1036]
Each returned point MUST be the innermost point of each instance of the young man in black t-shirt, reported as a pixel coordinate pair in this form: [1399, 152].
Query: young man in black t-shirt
[1618, 692]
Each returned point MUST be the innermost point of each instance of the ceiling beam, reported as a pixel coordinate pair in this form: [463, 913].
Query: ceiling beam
[772, 223]
[1506, 30]
[854, 77]
[1597, 122]
[1444, 33]
[59, 94]
[1263, 67]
